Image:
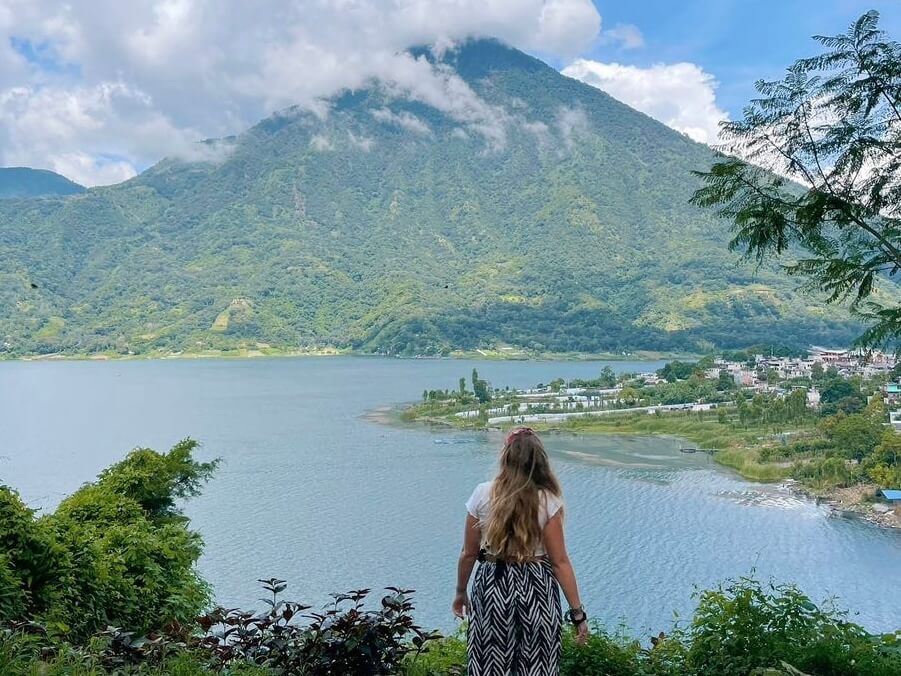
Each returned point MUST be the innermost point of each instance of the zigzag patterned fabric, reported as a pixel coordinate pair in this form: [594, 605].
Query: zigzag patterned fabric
[515, 625]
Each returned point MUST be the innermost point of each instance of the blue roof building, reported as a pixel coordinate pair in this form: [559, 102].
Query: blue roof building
[892, 495]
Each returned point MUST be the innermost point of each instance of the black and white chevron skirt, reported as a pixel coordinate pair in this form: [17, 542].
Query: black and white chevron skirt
[515, 623]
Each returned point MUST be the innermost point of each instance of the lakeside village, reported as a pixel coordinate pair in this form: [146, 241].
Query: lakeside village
[825, 422]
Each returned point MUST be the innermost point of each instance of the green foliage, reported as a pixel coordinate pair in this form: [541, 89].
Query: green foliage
[423, 244]
[832, 126]
[21, 182]
[741, 628]
[725, 382]
[114, 552]
[12, 595]
[883, 466]
[606, 379]
[744, 625]
[345, 638]
[155, 481]
[446, 657]
[854, 436]
[480, 388]
[677, 370]
[29, 559]
[601, 654]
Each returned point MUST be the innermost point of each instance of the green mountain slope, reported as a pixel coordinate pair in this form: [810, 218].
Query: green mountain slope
[16, 182]
[390, 226]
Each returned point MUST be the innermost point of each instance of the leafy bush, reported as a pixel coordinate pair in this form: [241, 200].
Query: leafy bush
[742, 626]
[601, 654]
[28, 560]
[12, 595]
[116, 552]
[342, 639]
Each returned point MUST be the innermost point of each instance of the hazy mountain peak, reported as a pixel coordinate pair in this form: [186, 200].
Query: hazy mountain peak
[17, 182]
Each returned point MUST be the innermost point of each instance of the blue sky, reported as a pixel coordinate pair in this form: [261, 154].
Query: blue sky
[738, 41]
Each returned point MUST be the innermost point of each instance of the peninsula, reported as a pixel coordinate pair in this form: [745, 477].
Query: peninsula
[825, 421]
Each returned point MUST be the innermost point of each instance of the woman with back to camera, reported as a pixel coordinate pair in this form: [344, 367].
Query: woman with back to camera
[514, 528]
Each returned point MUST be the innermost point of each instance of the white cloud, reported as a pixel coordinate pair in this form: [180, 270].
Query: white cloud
[571, 121]
[321, 143]
[681, 95]
[625, 35]
[404, 120]
[364, 143]
[89, 134]
[88, 170]
[181, 70]
[567, 26]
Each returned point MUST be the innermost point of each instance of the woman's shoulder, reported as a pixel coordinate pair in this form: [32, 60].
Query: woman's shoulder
[479, 499]
[552, 502]
[483, 490]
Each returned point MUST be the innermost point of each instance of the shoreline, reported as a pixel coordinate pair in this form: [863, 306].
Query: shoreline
[273, 353]
[856, 510]
[844, 502]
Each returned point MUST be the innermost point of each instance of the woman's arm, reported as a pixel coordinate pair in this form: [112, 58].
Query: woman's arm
[472, 539]
[555, 545]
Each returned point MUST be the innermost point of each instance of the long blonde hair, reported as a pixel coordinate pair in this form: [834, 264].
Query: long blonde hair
[513, 531]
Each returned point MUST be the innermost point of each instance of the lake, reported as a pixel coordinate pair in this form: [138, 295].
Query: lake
[312, 490]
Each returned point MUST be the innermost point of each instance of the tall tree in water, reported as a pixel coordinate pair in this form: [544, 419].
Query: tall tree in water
[815, 166]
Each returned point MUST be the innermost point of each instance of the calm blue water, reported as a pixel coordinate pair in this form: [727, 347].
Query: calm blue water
[313, 491]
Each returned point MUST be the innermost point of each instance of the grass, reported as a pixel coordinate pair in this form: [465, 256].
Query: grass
[222, 320]
[51, 329]
[737, 447]
[745, 462]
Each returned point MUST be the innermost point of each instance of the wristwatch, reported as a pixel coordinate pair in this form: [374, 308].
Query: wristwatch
[576, 616]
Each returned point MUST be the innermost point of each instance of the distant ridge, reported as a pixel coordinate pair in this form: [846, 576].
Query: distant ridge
[523, 210]
[17, 182]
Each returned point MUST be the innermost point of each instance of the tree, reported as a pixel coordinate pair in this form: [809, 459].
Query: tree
[816, 371]
[480, 388]
[856, 436]
[836, 389]
[629, 395]
[725, 382]
[677, 370]
[608, 377]
[889, 449]
[462, 387]
[796, 405]
[815, 165]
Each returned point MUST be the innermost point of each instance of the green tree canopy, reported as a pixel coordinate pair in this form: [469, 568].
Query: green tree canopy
[116, 552]
[814, 165]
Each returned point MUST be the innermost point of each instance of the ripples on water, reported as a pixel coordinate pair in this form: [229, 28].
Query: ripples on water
[312, 490]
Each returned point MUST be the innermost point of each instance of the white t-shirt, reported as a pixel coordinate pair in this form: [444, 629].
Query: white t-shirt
[480, 502]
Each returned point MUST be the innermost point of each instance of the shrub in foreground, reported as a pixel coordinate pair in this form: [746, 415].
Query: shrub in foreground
[741, 628]
[116, 551]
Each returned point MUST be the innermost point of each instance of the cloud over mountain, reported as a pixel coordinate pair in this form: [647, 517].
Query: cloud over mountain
[681, 95]
[100, 90]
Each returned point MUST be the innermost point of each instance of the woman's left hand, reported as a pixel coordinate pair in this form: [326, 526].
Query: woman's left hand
[582, 632]
[460, 605]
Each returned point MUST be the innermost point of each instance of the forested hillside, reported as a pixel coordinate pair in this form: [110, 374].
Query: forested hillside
[549, 216]
[25, 182]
